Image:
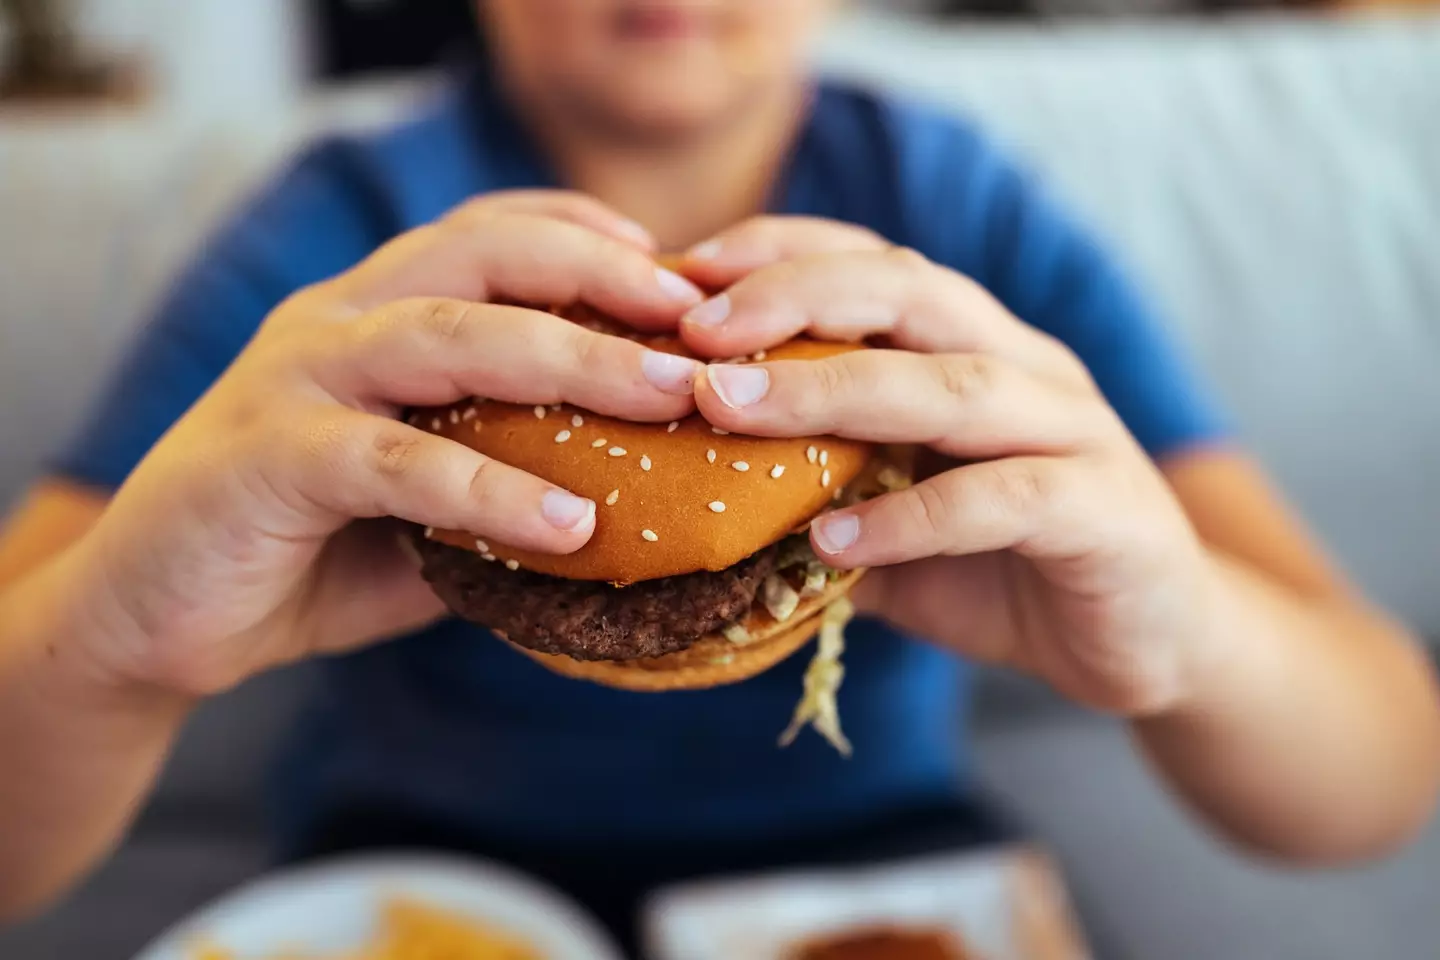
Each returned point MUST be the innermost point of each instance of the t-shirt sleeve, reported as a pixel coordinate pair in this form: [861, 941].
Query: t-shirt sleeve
[312, 222]
[1002, 229]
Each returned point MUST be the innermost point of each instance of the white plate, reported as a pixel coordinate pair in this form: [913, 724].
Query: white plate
[333, 906]
[1005, 905]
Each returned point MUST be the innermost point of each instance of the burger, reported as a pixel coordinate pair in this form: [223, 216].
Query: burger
[699, 572]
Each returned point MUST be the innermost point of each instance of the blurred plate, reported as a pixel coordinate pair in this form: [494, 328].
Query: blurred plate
[333, 906]
[1005, 905]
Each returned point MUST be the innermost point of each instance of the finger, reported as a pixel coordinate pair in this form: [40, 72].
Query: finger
[897, 294]
[430, 352]
[1027, 504]
[356, 465]
[762, 241]
[577, 208]
[962, 405]
[525, 259]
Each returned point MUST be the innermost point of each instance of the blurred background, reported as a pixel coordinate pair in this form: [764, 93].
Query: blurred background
[1270, 171]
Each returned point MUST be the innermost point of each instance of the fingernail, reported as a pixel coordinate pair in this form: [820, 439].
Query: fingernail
[669, 373]
[708, 250]
[565, 511]
[836, 532]
[677, 287]
[738, 386]
[636, 232]
[711, 313]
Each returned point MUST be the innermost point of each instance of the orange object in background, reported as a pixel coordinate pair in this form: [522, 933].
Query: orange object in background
[415, 931]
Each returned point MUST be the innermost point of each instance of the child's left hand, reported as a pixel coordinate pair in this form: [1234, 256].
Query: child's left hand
[1052, 545]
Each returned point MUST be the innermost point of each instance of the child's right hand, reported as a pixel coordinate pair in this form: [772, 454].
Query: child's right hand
[233, 547]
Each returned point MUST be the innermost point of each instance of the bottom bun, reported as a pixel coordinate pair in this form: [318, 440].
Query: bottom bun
[712, 661]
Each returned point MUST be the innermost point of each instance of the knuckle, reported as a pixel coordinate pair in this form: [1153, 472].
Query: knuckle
[1068, 361]
[578, 204]
[446, 322]
[760, 289]
[587, 351]
[465, 223]
[471, 210]
[765, 228]
[395, 452]
[1024, 488]
[908, 259]
[315, 439]
[967, 378]
[931, 508]
[486, 482]
[625, 268]
[833, 381]
[487, 207]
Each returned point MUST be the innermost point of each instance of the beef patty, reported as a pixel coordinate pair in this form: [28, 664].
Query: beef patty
[592, 620]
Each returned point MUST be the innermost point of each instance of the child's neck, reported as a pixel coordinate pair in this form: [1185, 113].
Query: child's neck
[686, 191]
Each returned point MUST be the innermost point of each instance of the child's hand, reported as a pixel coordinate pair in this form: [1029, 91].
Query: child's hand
[1056, 548]
[232, 547]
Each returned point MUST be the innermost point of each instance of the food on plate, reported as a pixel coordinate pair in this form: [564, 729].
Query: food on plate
[414, 931]
[889, 943]
[699, 572]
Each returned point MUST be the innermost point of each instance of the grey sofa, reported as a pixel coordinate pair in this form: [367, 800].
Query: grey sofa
[1275, 184]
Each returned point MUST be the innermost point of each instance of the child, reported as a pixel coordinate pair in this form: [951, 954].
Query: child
[1107, 535]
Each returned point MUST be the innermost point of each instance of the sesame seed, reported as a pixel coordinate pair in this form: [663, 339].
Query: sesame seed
[577, 421]
[645, 463]
[777, 470]
[562, 436]
[429, 532]
[718, 432]
[717, 507]
[488, 556]
[469, 414]
[435, 424]
[741, 466]
[476, 426]
[454, 416]
[614, 498]
[482, 546]
[413, 419]
[759, 355]
[824, 457]
[556, 406]
[539, 413]
[825, 478]
[512, 564]
[811, 453]
[674, 425]
[617, 451]
[649, 535]
[710, 455]
[599, 443]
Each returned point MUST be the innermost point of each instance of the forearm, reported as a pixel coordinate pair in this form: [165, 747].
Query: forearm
[1314, 733]
[78, 752]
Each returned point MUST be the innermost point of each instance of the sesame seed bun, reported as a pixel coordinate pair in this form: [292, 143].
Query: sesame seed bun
[670, 499]
[673, 501]
[712, 662]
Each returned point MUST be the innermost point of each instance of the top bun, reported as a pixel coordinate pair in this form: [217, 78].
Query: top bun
[670, 499]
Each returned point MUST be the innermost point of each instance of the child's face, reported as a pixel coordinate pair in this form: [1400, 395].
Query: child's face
[649, 68]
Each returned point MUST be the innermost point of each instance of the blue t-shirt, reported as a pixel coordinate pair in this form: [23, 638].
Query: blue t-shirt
[450, 726]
